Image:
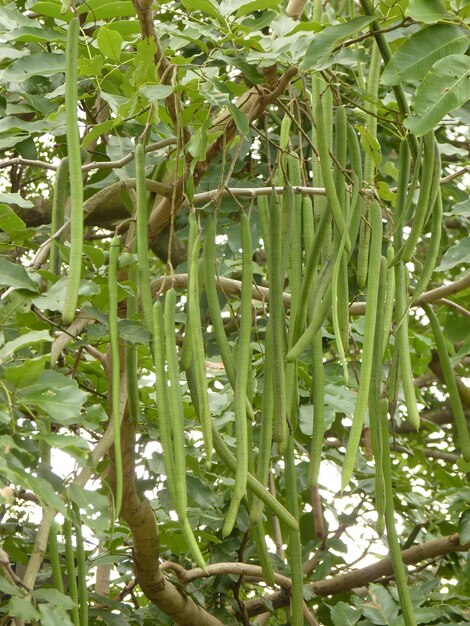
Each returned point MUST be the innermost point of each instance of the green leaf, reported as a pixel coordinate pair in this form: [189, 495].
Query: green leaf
[15, 198]
[51, 9]
[53, 616]
[22, 608]
[9, 221]
[35, 34]
[464, 527]
[76, 445]
[257, 5]
[41, 64]
[53, 596]
[240, 119]
[108, 11]
[461, 208]
[28, 339]
[7, 587]
[133, 332]
[156, 91]
[458, 254]
[26, 373]
[54, 394]
[428, 11]
[445, 88]
[323, 43]
[418, 53]
[109, 43]
[343, 614]
[204, 6]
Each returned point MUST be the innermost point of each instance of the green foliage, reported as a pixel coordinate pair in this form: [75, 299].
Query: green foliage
[224, 425]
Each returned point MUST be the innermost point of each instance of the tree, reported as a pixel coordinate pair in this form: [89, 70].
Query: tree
[235, 327]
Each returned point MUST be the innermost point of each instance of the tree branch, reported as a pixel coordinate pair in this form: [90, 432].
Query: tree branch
[360, 577]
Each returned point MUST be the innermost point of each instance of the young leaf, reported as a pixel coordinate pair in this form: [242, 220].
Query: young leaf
[428, 11]
[445, 88]
[415, 57]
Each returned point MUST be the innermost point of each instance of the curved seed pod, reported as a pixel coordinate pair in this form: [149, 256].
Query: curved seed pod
[81, 568]
[374, 402]
[114, 249]
[253, 485]
[241, 381]
[198, 354]
[72, 590]
[187, 351]
[318, 399]
[406, 372]
[368, 344]
[59, 198]
[454, 397]
[53, 552]
[399, 568]
[369, 165]
[142, 236]
[75, 171]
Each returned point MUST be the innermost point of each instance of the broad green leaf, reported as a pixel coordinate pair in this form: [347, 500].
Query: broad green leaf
[41, 64]
[53, 596]
[97, 131]
[156, 92]
[28, 339]
[324, 42]
[418, 53]
[15, 198]
[22, 608]
[26, 373]
[9, 221]
[35, 34]
[7, 587]
[240, 119]
[428, 11]
[109, 43]
[464, 527]
[257, 5]
[51, 9]
[459, 254]
[461, 208]
[343, 614]
[76, 445]
[109, 11]
[204, 6]
[445, 88]
[133, 332]
[54, 616]
[54, 394]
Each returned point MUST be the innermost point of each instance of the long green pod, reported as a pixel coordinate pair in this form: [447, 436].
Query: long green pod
[114, 249]
[81, 568]
[266, 429]
[318, 400]
[253, 485]
[187, 350]
[399, 568]
[161, 387]
[175, 405]
[422, 206]
[131, 352]
[198, 353]
[142, 236]
[355, 157]
[262, 211]
[451, 384]
[368, 344]
[369, 165]
[340, 151]
[389, 300]
[59, 198]
[208, 256]
[374, 401]
[433, 250]
[72, 590]
[295, 543]
[327, 174]
[400, 209]
[54, 557]
[265, 561]
[339, 302]
[308, 225]
[193, 545]
[321, 295]
[75, 171]
[277, 319]
[406, 372]
[243, 356]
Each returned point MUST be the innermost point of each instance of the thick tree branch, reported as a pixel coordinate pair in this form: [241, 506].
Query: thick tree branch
[360, 577]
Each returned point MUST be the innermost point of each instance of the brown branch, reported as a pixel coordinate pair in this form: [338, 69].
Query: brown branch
[359, 577]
